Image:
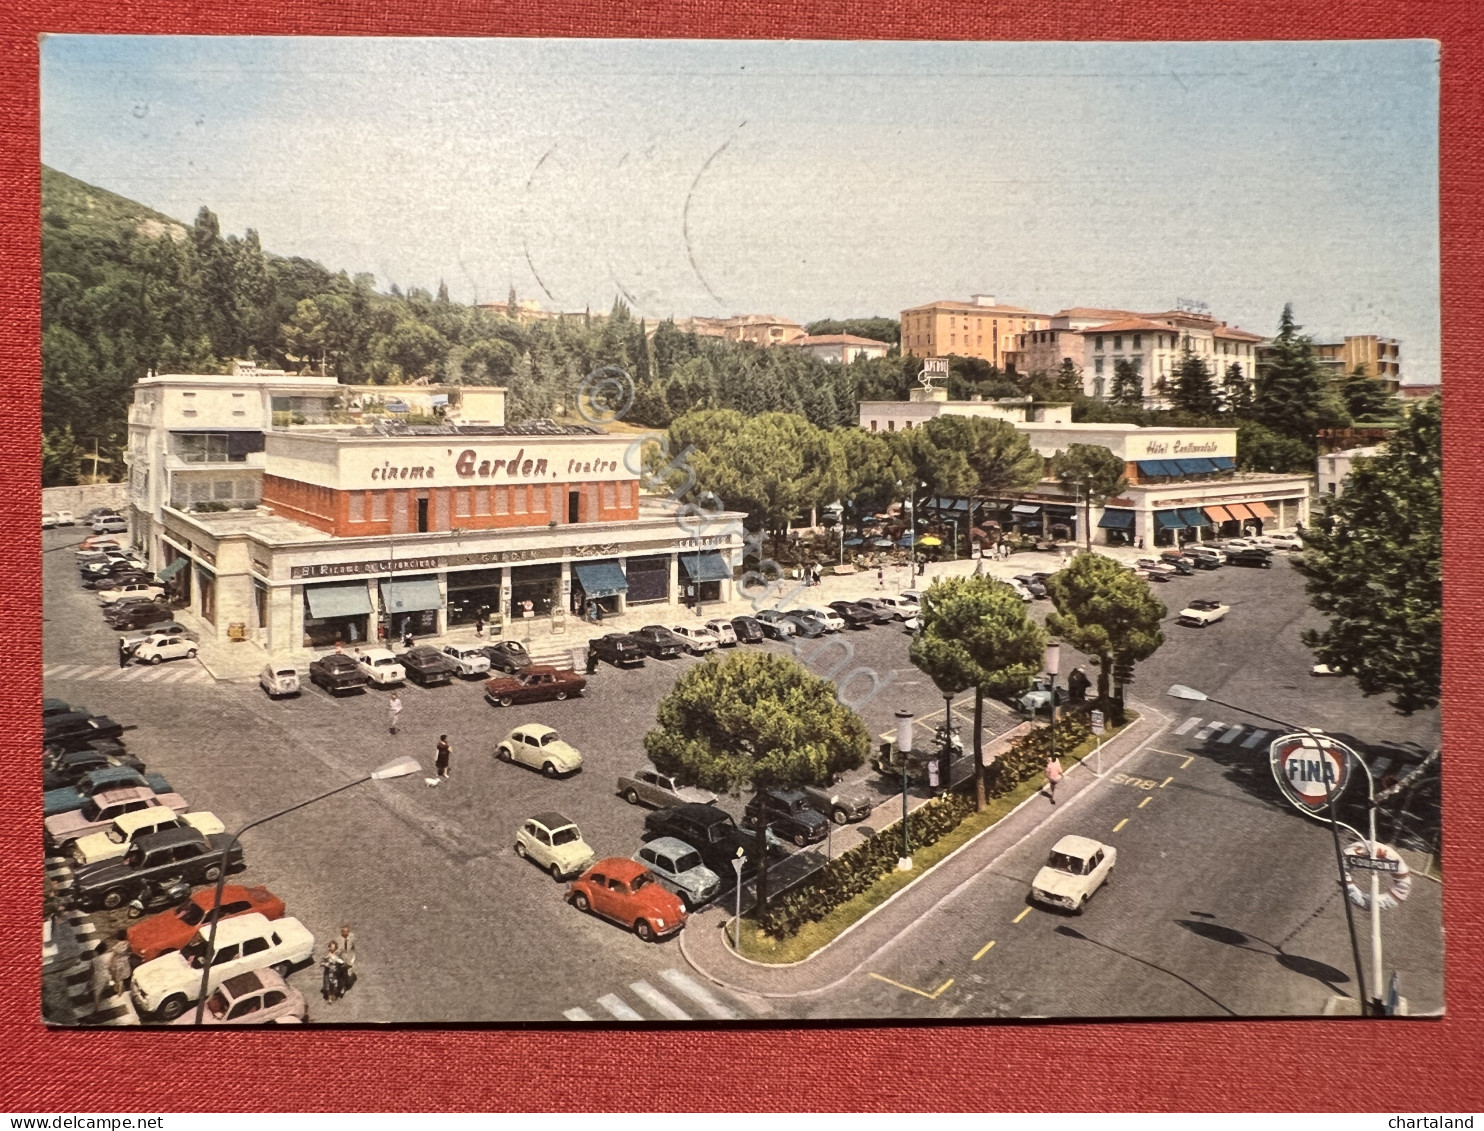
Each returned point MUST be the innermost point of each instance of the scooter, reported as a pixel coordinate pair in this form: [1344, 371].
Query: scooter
[166, 892]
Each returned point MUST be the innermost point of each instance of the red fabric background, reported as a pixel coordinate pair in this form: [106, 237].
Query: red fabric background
[1289, 1065]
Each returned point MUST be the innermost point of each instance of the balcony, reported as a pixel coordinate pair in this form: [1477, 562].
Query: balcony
[251, 461]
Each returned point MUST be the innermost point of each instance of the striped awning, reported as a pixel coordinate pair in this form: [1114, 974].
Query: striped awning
[1261, 510]
[1157, 467]
[1238, 511]
[1169, 520]
[1192, 516]
[1218, 514]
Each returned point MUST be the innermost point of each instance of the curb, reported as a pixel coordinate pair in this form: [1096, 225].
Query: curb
[1147, 713]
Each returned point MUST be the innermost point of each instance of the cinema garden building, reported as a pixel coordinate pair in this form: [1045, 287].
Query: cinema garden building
[275, 524]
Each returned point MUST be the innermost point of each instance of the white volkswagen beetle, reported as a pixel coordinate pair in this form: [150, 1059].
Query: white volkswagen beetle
[279, 679]
[1077, 867]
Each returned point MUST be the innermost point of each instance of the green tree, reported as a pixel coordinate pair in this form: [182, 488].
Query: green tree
[1365, 398]
[1236, 389]
[1291, 395]
[1194, 389]
[999, 456]
[1094, 473]
[1068, 379]
[873, 468]
[1259, 448]
[975, 633]
[887, 330]
[1373, 563]
[755, 720]
[1128, 387]
[1107, 611]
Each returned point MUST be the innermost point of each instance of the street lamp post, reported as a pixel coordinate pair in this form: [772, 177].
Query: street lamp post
[953, 550]
[1053, 666]
[397, 768]
[904, 751]
[737, 862]
[1369, 1007]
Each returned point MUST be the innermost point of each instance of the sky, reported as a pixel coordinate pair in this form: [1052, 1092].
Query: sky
[803, 179]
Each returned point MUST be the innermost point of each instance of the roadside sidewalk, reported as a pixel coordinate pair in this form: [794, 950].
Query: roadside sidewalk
[707, 947]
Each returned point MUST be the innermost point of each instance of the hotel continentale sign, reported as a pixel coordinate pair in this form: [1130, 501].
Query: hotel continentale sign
[1181, 447]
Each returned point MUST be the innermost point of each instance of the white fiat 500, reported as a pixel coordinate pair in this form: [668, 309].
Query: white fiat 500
[279, 679]
[725, 634]
[471, 661]
[1077, 867]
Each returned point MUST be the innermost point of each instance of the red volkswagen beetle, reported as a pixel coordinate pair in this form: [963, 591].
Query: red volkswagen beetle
[627, 892]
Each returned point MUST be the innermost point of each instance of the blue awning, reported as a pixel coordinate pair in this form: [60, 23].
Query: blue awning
[1196, 466]
[173, 568]
[1169, 520]
[1193, 516]
[1156, 467]
[1224, 463]
[600, 579]
[1116, 520]
[1061, 510]
[711, 566]
[415, 595]
[326, 601]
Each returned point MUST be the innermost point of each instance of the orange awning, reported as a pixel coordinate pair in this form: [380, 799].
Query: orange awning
[1261, 510]
[1217, 514]
[1238, 511]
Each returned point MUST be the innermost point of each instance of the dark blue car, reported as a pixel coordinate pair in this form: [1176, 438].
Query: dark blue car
[71, 797]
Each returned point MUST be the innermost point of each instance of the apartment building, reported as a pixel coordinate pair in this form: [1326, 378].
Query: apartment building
[1377, 357]
[981, 328]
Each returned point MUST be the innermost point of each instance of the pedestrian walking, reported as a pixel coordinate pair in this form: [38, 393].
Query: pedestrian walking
[1053, 775]
[394, 710]
[407, 638]
[339, 646]
[592, 661]
[102, 976]
[123, 653]
[921, 568]
[479, 625]
[331, 966]
[444, 752]
[120, 969]
[1063, 555]
[348, 956]
[1141, 542]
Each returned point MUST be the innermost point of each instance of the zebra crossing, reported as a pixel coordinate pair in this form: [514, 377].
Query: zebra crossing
[696, 1003]
[103, 1008]
[177, 673]
[1219, 733]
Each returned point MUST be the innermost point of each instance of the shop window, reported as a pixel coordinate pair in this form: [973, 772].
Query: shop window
[502, 500]
[422, 516]
[574, 505]
[521, 494]
[378, 506]
[357, 511]
[461, 508]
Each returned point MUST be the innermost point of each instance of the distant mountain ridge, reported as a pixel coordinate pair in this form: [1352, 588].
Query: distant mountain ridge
[69, 202]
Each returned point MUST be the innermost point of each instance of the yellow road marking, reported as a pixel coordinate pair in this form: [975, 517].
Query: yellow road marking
[1120, 824]
[1021, 916]
[984, 950]
[1145, 802]
[1166, 782]
[914, 989]
[1187, 761]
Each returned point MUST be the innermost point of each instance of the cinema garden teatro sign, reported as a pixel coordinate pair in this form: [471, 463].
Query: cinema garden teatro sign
[469, 466]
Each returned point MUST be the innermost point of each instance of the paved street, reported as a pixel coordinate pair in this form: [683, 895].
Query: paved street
[1223, 898]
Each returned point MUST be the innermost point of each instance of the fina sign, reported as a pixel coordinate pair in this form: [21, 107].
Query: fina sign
[1309, 769]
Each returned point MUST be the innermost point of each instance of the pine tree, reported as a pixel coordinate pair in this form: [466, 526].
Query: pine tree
[1069, 379]
[510, 303]
[1236, 389]
[442, 293]
[1128, 388]
[1292, 395]
[1194, 390]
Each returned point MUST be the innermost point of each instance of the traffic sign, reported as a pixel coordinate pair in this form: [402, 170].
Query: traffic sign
[1097, 721]
[1310, 768]
[1366, 864]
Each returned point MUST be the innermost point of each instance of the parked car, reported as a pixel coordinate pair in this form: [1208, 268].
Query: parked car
[832, 621]
[678, 868]
[161, 647]
[128, 601]
[61, 769]
[1077, 867]
[98, 541]
[649, 786]
[697, 641]
[171, 930]
[1243, 543]
[1202, 612]
[1261, 542]
[541, 748]
[114, 841]
[533, 685]
[1183, 563]
[788, 813]
[167, 986]
[749, 630]
[110, 524]
[1039, 696]
[1154, 565]
[1286, 541]
[902, 605]
[91, 516]
[711, 831]
[627, 892]
[337, 673]
[468, 659]
[50, 707]
[48, 519]
[153, 860]
[807, 625]
[1160, 576]
[881, 612]
[426, 666]
[856, 616]
[619, 649]
[555, 844]
[776, 625]
[139, 616]
[658, 642]
[842, 802]
[109, 777]
[507, 656]
[1032, 586]
[75, 730]
[1205, 557]
[1324, 669]
[101, 810]
[1020, 588]
[721, 628]
[279, 680]
[1258, 559]
[259, 997]
[380, 667]
[125, 575]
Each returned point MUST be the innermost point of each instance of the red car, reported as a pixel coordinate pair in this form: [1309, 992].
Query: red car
[628, 893]
[171, 930]
[532, 685]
